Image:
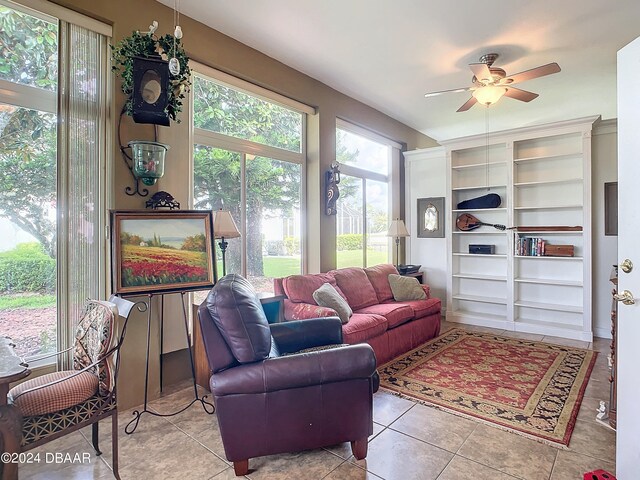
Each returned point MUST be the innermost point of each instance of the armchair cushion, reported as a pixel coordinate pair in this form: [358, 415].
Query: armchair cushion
[327, 296]
[297, 335]
[296, 371]
[238, 314]
[64, 394]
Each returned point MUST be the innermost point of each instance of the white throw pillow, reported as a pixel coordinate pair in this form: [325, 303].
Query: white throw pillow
[406, 288]
[327, 296]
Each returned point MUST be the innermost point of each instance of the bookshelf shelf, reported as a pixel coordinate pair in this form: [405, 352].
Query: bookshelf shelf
[543, 176]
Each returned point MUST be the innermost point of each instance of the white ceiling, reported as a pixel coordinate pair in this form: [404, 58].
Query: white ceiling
[388, 54]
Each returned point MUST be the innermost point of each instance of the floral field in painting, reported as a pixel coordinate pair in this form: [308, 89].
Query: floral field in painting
[144, 265]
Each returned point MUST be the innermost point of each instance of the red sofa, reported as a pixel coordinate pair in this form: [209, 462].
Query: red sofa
[390, 327]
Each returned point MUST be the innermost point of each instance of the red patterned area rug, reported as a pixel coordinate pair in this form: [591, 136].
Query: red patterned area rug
[531, 388]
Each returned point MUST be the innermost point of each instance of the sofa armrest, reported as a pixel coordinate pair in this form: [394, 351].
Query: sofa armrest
[296, 371]
[299, 334]
[301, 311]
[427, 290]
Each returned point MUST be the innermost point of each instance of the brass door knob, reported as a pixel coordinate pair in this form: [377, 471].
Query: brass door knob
[625, 297]
[626, 265]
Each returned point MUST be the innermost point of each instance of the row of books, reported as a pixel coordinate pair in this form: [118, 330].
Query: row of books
[529, 247]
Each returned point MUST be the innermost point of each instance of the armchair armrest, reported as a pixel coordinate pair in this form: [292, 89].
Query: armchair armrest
[301, 311]
[299, 334]
[427, 290]
[296, 371]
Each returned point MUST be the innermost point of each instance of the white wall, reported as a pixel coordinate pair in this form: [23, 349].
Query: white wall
[426, 176]
[604, 151]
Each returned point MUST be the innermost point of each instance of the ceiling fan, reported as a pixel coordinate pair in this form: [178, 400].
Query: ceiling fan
[491, 83]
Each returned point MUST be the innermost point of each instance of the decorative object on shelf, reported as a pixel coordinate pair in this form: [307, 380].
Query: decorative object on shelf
[397, 229]
[431, 217]
[147, 45]
[482, 249]
[148, 160]
[558, 250]
[161, 252]
[467, 222]
[490, 200]
[331, 181]
[611, 208]
[224, 227]
[162, 199]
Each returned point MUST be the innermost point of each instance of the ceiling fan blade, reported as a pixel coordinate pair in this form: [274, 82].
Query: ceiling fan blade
[454, 90]
[468, 104]
[521, 95]
[531, 74]
[481, 71]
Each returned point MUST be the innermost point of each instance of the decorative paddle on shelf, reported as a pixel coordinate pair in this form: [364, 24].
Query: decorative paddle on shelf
[467, 222]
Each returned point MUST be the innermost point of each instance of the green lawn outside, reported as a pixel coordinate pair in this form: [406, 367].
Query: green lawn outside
[275, 267]
[27, 301]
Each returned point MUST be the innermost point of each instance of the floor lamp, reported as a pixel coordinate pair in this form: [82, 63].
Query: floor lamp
[224, 227]
[397, 229]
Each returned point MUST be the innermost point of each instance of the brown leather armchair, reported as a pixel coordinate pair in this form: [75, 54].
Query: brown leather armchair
[270, 399]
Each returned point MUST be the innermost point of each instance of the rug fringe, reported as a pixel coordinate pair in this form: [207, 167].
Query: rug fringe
[545, 441]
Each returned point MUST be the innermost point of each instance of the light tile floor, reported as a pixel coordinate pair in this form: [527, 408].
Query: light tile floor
[409, 441]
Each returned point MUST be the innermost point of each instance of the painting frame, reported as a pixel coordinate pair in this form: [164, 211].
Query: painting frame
[172, 268]
[438, 204]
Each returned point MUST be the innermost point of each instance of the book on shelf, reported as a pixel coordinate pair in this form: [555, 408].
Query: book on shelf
[529, 246]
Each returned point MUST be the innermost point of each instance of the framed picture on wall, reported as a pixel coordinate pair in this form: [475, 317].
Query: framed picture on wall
[161, 252]
[431, 217]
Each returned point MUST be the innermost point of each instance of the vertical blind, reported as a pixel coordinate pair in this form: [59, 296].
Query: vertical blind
[82, 147]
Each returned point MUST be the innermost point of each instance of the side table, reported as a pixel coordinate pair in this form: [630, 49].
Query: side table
[12, 368]
[417, 275]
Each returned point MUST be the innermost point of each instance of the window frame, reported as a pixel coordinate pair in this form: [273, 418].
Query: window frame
[245, 148]
[53, 101]
[391, 179]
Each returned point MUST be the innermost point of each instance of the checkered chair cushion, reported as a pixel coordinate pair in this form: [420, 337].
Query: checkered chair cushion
[59, 396]
[95, 335]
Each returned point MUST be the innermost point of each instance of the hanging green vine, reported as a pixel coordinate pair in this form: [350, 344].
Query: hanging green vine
[149, 45]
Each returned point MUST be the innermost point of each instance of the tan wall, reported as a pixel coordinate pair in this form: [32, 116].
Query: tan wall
[216, 50]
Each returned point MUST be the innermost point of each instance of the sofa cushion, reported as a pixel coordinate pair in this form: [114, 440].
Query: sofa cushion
[421, 308]
[395, 313]
[356, 287]
[379, 278]
[363, 326]
[327, 296]
[406, 288]
[238, 314]
[300, 288]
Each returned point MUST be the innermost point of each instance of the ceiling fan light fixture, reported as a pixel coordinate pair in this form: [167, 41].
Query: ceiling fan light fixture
[489, 94]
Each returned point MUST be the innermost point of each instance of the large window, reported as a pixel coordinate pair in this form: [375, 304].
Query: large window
[51, 176]
[364, 204]
[248, 158]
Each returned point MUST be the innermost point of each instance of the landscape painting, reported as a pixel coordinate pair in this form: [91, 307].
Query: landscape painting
[160, 252]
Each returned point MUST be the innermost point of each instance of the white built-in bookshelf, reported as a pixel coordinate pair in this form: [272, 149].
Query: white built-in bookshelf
[543, 176]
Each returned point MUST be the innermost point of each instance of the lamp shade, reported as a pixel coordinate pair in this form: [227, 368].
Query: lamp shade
[489, 95]
[397, 229]
[224, 226]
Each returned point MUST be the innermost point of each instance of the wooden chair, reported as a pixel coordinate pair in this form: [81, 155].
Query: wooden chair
[59, 403]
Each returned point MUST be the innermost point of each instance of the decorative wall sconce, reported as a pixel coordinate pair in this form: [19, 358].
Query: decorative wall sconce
[332, 179]
[148, 160]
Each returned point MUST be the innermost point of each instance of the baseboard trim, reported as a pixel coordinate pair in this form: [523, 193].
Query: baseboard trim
[602, 332]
